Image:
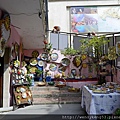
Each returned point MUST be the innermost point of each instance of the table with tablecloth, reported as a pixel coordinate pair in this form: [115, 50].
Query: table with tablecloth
[99, 104]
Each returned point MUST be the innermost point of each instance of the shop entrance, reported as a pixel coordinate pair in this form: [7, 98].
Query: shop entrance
[1, 80]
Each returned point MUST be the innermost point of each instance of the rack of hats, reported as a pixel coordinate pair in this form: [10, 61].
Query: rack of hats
[21, 92]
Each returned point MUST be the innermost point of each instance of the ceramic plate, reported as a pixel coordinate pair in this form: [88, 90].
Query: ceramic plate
[35, 54]
[44, 56]
[76, 61]
[24, 95]
[54, 56]
[33, 69]
[65, 62]
[22, 89]
[84, 56]
[53, 67]
[61, 69]
[84, 65]
[33, 61]
[40, 63]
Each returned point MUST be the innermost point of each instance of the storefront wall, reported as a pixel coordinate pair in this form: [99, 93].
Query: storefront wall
[7, 95]
[63, 18]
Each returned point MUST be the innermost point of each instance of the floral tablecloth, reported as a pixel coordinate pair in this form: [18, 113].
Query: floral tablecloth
[99, 104]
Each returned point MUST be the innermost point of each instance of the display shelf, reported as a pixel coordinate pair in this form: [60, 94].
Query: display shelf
[23, 95]
[20, 98]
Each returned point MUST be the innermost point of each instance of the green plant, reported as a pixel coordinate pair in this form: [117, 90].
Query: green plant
[38, 72]
[96, 43]
[48, 47]
[69, 51]
[29, 79]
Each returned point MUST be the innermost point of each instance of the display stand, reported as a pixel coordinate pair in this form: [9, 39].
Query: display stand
[103, 72]
[22, 95]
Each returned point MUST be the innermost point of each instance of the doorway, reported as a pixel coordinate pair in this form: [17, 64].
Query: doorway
[1, 80]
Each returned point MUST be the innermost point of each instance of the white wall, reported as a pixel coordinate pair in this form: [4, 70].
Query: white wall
[6, 86]
[58, 12]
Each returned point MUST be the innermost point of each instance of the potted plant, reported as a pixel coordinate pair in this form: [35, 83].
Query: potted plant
[29, 79]
[69, 51]
[95, 43]
[93, 48]
[38, 72]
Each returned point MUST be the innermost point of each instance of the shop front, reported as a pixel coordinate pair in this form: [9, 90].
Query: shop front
[9, 49]
[1, 80]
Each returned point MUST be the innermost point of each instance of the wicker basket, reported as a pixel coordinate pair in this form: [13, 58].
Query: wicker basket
[41, 83]
[60, 84]
[73, 89]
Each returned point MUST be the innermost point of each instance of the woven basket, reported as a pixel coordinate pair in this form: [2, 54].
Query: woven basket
[58, 84]
[41, 84]
[73, 89]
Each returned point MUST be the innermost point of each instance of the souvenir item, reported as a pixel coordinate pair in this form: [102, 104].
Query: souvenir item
[40, 63]
[33, 69]
[18, 97]
[35, 54]
[84, 65]
[112, 53]
[84, 56]
[29, 93]
[100, 91]
[83, 76]
[54, 56]
[90, 76]
[24, 95]
[41, 83]
[65, 62]
[61, 69]
[73, 72]
[44, 56]
[33, 61]
[53, 67]
[18, 101]
[22, 89]
[29, 100]
[17, 63]
[76, 61]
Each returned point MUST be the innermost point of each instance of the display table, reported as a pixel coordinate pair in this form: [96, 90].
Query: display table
[99, 104]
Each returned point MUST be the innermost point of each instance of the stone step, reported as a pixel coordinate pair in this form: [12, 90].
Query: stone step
[47, 88]
[54, 95]
[57, 100]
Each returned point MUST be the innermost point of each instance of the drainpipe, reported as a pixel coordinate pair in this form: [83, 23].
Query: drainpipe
[46, 16]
